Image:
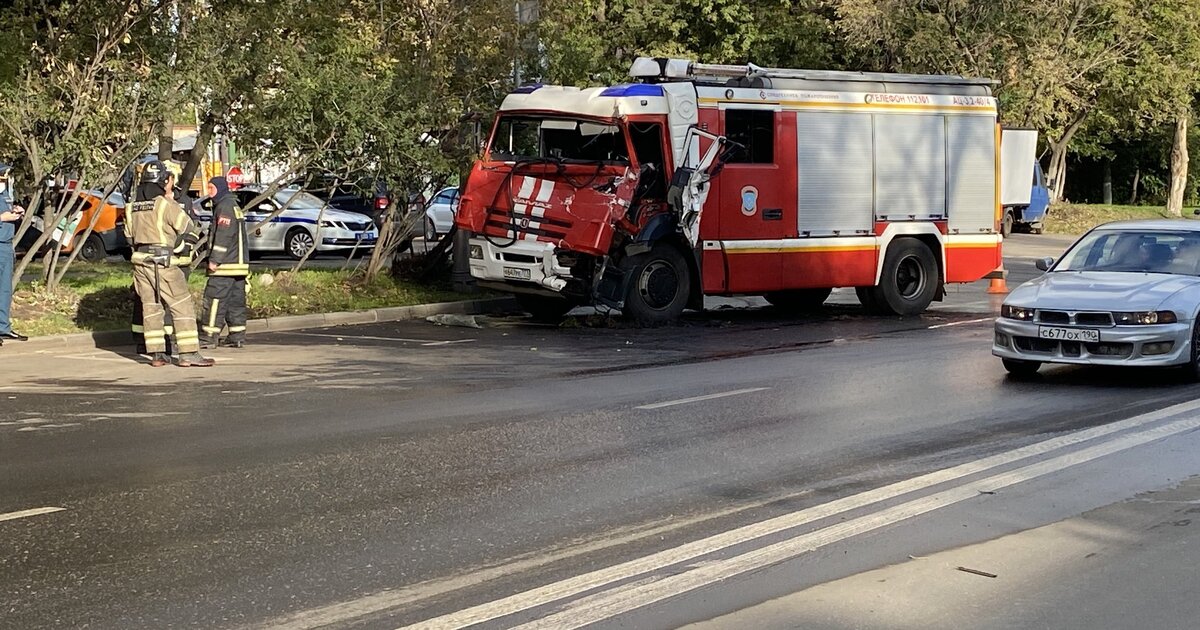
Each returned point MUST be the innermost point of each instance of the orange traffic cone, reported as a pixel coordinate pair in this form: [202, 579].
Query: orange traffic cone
[997, 286]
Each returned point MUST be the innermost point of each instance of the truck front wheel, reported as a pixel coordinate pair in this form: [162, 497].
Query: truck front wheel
[659, 284]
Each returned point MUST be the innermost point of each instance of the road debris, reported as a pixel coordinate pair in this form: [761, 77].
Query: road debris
[462, 321]
[976, 572]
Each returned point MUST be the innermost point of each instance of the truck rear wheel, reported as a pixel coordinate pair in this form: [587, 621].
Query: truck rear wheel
[910, 278]
[544, 308]
[1007, 223]
[798, 300]
[659, 285]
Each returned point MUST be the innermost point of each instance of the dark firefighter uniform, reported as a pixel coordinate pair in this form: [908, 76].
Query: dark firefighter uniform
[163, 237]
[228, 266]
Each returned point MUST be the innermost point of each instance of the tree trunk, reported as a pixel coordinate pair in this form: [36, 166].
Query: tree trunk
[166, 140]
[1179, 163]
[203, 137]
[1137, 176]
[1107, 193]
[1058, 158]
[1057, 177]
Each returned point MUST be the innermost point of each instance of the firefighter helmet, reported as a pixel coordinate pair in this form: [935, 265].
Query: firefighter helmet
[154, 172]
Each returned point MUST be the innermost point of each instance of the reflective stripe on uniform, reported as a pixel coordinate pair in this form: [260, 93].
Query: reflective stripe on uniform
[231, 269]
[156, 336]
[237, 329]
[212, 313]
[220, 249]
[211, 331]
[187, 335]
[137, 328]
[170, 330]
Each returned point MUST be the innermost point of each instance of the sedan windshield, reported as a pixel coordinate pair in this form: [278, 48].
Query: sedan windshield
[1135, 252]
[302, 199]
[533, 137]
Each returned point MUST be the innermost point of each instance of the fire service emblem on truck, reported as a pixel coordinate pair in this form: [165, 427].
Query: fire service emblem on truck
[749, 200]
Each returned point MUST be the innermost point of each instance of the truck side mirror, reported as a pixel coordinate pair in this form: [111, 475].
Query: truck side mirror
[1044, 264]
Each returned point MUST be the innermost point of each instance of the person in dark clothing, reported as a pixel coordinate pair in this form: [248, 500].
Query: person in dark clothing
[228, 266]
[9, 216]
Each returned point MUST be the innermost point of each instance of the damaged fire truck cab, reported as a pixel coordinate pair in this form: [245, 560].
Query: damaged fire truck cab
[727, 180]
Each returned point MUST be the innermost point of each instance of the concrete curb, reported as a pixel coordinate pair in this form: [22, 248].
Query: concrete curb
[116, 338]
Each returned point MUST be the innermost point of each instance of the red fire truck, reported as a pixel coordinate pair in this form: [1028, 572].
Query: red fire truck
[705, 179]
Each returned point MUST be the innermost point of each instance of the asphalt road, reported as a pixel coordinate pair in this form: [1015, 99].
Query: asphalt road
[387, 475]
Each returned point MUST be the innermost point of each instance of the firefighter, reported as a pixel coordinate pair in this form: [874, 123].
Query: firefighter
[181, 197]
[228, 266]
[163, 239]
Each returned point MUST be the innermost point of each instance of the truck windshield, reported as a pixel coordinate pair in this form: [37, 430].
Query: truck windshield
[546, 138]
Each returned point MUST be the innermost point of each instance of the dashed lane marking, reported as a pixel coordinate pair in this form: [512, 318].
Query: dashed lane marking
[962, 323]
[686, 401]
[12, 516]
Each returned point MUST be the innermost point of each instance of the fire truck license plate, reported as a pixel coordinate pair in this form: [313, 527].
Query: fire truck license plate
[516, 273]
[1068, 334]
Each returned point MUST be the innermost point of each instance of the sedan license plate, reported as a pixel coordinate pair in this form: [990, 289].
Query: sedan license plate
[516, 273]
[1068, 334]
[365, 236]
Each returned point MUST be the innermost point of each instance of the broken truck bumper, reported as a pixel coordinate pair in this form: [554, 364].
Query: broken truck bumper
[521, 265]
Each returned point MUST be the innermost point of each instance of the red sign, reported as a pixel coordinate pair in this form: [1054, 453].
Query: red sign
[234, 177]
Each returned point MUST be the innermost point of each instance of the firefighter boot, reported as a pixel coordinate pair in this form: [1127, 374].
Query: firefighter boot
[208, 342]
[160, 359]
[194, 359]
[233, 342]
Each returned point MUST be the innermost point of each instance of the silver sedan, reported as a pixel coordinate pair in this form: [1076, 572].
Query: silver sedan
[1126, 293]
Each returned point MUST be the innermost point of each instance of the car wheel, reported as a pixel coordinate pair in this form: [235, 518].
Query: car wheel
[799, 300]
[659, 284]
[298, 242]
[1036, 228]
[92, 249]
[1020, 368]
[909, 281]
[430, 230]
[1007, 223]
[544, 308]
[1191, 369]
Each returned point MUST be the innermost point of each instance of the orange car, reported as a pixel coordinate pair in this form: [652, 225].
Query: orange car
[108, 235]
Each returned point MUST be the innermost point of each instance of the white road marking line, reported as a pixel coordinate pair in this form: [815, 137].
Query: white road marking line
[423, 342]
[724, 540]
[963, 323]
[606, 605]
[12, 516]
[397, 598]
[685, 401]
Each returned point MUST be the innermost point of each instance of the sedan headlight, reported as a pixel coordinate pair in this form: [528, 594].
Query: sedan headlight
[1016, 312]
[1144, 318]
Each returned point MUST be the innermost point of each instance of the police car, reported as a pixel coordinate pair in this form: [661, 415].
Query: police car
[295, 229]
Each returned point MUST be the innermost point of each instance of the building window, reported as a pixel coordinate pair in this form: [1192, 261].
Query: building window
[755, 129]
